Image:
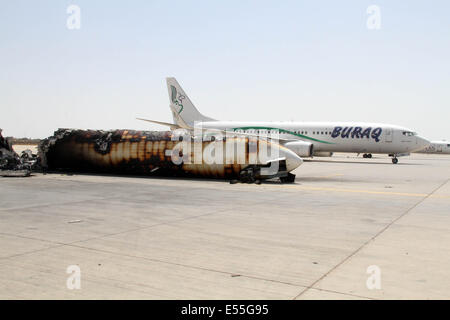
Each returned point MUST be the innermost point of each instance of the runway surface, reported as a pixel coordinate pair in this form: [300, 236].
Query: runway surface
[167, 238]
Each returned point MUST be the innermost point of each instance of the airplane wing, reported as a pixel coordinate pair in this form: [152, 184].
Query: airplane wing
[171, 125]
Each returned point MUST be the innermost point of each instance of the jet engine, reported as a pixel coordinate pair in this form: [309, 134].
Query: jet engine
[323, 154]
[301, 148]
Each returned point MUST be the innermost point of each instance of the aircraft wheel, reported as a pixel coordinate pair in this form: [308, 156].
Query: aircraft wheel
[394, 160]
[365, 155]
[247, 176]
[369, 155]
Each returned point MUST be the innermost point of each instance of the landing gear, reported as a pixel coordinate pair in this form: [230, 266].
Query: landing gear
[394, 160]
[247, 176]
[255, 174]
[290, 178]
[367, 155]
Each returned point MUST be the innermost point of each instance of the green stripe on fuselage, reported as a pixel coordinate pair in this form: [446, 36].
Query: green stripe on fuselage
[283, 131]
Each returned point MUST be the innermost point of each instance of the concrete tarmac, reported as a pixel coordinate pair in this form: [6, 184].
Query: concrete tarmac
[167, 238]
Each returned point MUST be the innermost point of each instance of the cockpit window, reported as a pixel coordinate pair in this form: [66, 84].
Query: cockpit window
[409, 133]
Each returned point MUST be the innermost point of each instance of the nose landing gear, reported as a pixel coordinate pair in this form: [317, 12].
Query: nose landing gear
[367, 155]
[394, 158]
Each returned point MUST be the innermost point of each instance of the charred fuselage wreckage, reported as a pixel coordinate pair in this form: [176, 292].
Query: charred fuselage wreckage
[163, 153]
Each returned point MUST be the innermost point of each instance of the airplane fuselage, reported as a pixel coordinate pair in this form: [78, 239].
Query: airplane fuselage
[355, 137]
[437, 147]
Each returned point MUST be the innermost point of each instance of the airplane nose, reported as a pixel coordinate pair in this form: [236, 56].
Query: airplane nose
[293, 161]
[421, 143]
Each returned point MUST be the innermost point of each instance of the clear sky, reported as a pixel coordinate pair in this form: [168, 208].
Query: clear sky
[237, 60]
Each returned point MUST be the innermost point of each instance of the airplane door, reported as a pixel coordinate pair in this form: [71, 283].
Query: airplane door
[388, 135]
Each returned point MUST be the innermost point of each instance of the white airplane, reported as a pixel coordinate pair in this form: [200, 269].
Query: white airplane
[437, 147]
[306, 139]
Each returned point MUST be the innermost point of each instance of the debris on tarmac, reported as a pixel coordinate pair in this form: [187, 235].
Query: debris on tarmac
[11, 164]
[75, 221]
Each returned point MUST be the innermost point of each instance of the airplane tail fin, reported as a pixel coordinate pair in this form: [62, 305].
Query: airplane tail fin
[183, 110]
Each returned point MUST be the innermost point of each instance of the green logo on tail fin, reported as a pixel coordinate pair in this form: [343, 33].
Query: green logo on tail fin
[174, 99]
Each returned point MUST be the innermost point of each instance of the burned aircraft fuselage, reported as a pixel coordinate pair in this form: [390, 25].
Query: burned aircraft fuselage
[153, 152]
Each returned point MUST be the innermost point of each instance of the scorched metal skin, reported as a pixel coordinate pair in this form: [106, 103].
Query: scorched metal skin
[135, 152]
